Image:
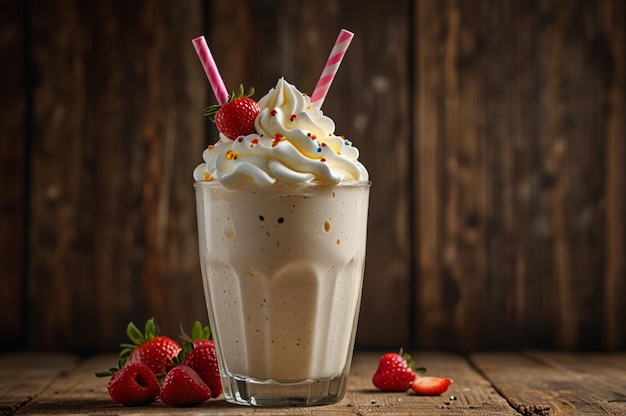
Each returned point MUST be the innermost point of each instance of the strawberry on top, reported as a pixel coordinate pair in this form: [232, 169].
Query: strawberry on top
[236, 117]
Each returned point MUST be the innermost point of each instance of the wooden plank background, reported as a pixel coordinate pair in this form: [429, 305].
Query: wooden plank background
[494, 133]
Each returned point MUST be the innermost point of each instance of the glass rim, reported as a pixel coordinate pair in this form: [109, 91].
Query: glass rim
[315, 184]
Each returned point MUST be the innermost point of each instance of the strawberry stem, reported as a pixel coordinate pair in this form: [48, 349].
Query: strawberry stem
[137, 338]
[411, 363]
[212, 109]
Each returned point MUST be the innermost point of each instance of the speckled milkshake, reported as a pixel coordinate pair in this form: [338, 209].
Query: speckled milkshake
[282, 233]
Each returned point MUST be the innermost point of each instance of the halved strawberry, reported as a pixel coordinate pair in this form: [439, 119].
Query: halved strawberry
[134, 385]
[430, 386]
[156, 351]
[182, 386]
[395, 372]
[236, 117]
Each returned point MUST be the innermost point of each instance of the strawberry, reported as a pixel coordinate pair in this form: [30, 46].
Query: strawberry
[134, 385]
[236, 117]
[157, 352]
[199, 354]
[430, 386]
[182, 386]
[395, 372]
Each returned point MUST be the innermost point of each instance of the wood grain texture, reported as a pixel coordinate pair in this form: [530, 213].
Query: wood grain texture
[557, 383]
[79, 392]
[13, 162]
[516, 159]
[118, 126]
[494, 134]
[23, 376]
[614, 35]
[488, 383]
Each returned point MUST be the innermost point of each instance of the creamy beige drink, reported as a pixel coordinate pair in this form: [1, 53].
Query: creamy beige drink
[282, 216]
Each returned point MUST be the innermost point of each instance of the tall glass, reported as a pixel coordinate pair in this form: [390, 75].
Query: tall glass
[283, 272]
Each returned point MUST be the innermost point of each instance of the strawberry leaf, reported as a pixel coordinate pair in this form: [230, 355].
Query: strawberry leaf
[212, 109]
[134, 334]
[151, 329]
[420, 370]
[199, 332]
[411, 363]
[125, 353]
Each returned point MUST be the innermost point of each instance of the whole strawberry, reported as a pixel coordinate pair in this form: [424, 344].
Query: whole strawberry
[133, 385]
[182, 387]
[199, 354]
[236, 117]
[395, 372]
[155, 351]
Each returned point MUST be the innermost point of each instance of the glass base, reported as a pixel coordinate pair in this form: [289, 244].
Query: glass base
[253, 392]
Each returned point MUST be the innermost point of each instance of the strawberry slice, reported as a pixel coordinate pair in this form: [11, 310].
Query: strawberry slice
[430, 386]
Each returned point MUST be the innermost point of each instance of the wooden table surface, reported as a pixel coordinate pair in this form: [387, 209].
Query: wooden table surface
[527, 383]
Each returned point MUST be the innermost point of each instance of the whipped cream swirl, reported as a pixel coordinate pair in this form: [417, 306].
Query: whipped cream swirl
[294, 144]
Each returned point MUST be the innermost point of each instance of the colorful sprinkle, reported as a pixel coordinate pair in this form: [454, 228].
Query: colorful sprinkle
[292, 117]
[210, 147]
[322, 160]
[207, 176]
[319, 150]
[231, 154]
[240, 139]
[273, 112]
[277, 138]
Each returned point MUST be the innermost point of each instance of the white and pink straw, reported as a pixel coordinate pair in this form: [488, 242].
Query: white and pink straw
[210, 69]
[331, 68]
[321, 89]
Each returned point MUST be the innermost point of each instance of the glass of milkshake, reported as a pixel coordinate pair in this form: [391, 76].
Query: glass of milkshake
[282, 218]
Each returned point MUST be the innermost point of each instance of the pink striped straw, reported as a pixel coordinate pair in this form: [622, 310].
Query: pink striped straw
[331, 68]
[212, 73]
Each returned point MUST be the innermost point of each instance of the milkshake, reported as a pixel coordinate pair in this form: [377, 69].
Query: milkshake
[282, 216]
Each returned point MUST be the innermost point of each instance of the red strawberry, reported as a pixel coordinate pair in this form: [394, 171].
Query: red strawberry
[134, 385]
[157, 352]
[200, 355]
[430, 386]
[395, 372]
[182, 386]
[236, 117]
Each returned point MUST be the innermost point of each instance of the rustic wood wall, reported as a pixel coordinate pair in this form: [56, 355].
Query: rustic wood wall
[494, 133]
